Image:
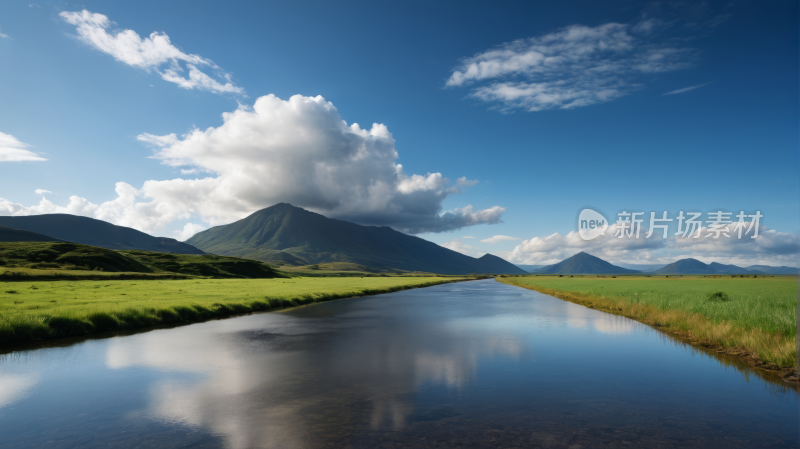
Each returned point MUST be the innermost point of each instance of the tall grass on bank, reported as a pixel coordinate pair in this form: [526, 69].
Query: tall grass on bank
[752, 318]
[32, 311]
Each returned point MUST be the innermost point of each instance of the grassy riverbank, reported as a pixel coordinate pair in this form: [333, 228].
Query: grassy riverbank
[749, 317]
[43, 310]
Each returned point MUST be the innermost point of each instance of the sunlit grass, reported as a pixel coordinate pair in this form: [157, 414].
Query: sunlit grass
[751, 315]
[41, 310]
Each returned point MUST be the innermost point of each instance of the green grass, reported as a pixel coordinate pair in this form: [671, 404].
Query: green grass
[756, 315]
[44, 310]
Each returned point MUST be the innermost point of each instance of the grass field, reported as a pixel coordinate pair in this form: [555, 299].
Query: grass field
[751, 317]
[42, 310]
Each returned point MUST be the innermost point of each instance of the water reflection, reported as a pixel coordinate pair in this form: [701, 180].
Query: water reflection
[478, 364]
[14, 386]
[305, 380]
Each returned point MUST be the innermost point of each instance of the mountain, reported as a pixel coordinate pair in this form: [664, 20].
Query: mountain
[583, 263]
[686, 266]
[642, 266]
[18, 235]
[731, 269]
[88, 231]
[693, 266]
[774, 270]
[285, 233]
[531, 268]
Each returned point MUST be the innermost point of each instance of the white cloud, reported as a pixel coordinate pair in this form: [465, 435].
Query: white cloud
[189, 230]
[149, 53]
[572, 67]
[12, 150]
[685, 89]
[556, 247]
[298, 151]
[464, 182]
[5, 36]
[468, 237]
[459, 246]
[498, 239]
[769, 248]
[42, 191]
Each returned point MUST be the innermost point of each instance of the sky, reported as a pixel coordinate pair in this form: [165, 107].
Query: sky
[483, 127]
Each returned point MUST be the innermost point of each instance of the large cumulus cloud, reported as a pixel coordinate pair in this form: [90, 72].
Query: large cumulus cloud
[298, 151]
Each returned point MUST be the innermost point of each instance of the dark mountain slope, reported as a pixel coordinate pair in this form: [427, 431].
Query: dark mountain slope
[18, 235]
[730, 269]
[88, 231]
[583, 263]
[315, 239]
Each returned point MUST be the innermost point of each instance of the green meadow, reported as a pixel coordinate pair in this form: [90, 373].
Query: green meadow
[51, 309]
[750, 316]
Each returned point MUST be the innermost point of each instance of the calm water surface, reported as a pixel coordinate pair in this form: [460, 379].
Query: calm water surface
[474, 364]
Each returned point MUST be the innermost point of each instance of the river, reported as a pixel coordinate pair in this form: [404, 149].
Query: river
[472, 364]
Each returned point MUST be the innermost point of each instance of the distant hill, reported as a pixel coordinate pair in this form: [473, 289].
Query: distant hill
[61, 256]
[294, 236]
[694, 266]
[531, 268]
[583, 263]
[686, 266]
[18, 235]
[88, 231]
[730, 269]
[642, 266]
[773, 270]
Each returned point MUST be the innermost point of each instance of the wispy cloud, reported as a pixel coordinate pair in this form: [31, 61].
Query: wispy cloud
[12, 150]
[498, 239]
[5, 36]
[155, 52]
[464, 182]
[686, 89]
[572, 67]
[42, 191]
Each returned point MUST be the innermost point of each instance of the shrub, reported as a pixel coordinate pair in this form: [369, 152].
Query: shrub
[718, 296]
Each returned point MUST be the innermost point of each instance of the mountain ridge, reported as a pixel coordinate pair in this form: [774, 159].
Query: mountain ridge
[584, 263]
[285, 231]
[93, 232]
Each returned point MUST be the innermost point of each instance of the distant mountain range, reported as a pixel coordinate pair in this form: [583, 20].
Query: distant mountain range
[642, 266]
[583, 263]
[531, 268]
[285, 234]
[89, 231]
[288, 235]
[694, 266]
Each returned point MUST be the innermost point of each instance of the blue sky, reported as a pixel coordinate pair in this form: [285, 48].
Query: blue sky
[592, 125]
